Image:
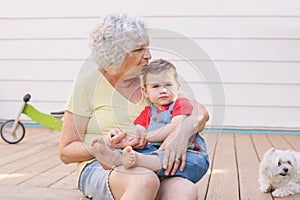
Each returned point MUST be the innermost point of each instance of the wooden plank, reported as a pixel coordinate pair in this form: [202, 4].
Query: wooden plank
[261, 144]
[32, 154]
[224, 179]
[10, 151]
[69, 182]
[51, 176]
[30, 134]
[13, 167]
[21, 175]
[203, 184]
[294, 141]
[41, 174]
[39, 167]
[211, 140]
[247, 162]
[35, 193]
[279, 142]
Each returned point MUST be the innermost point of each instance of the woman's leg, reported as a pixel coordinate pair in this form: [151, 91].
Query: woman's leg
[134, 184]
[177, 188]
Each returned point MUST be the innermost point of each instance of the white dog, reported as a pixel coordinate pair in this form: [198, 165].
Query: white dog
[279, 171]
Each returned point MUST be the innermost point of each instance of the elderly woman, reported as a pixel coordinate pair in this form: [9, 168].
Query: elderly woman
[109, 96]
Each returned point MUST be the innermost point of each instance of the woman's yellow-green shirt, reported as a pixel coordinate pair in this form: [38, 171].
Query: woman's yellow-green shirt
[94, 97]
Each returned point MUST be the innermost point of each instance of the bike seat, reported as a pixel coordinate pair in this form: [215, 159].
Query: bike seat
[58, 113]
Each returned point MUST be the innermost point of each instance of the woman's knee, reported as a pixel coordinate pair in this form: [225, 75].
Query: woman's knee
[122, 181]
[139, 177]
[177, 188]
[147, 183]
[149, 180]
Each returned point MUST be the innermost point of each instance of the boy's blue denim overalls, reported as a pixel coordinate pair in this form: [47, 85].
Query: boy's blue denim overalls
[197, 163]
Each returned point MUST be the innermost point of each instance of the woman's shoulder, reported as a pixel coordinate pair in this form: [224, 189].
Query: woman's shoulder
[87, 79]
[88, 74]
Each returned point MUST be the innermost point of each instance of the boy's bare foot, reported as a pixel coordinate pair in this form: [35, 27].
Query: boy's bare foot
[132, 159]
[104, 154]
[129, 157]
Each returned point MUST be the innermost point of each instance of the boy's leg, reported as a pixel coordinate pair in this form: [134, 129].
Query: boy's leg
[132, 158]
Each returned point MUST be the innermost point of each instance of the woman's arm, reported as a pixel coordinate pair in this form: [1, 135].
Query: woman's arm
[177, 141]
[71, 146]
[197, 120]
[159, 135]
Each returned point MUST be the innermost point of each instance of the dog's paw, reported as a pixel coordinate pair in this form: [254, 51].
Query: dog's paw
[265, 188]
[281, 193]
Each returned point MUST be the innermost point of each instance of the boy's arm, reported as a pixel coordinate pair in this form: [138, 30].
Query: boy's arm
[160, 134]
[140, 130]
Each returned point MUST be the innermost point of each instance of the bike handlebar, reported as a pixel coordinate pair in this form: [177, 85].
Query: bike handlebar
[26, 98]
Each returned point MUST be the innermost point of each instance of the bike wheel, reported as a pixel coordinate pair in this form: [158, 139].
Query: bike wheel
[12, 138]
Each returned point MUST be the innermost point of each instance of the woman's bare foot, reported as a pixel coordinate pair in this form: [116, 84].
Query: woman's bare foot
[104, 154]
[129, 157]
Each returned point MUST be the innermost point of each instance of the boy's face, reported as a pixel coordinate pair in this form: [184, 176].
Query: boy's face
[161, 88]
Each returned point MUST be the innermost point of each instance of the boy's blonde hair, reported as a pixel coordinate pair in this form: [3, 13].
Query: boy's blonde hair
[158, 66]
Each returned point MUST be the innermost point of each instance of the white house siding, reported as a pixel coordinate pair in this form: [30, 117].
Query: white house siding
[254, 46]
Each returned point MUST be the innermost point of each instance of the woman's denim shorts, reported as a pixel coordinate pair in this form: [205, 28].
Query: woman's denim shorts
[94, 179]
[94, 182]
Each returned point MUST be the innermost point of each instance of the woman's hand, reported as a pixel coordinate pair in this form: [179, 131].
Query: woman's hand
[120, 139]
[139, 141]
[175, 147]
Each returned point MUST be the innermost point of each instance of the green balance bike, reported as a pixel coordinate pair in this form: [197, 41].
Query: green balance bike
[13, 131]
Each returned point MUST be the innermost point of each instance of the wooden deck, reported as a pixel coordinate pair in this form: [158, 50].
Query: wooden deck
[32, 169]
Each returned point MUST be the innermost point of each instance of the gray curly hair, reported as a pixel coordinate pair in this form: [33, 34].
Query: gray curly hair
[117, 35]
